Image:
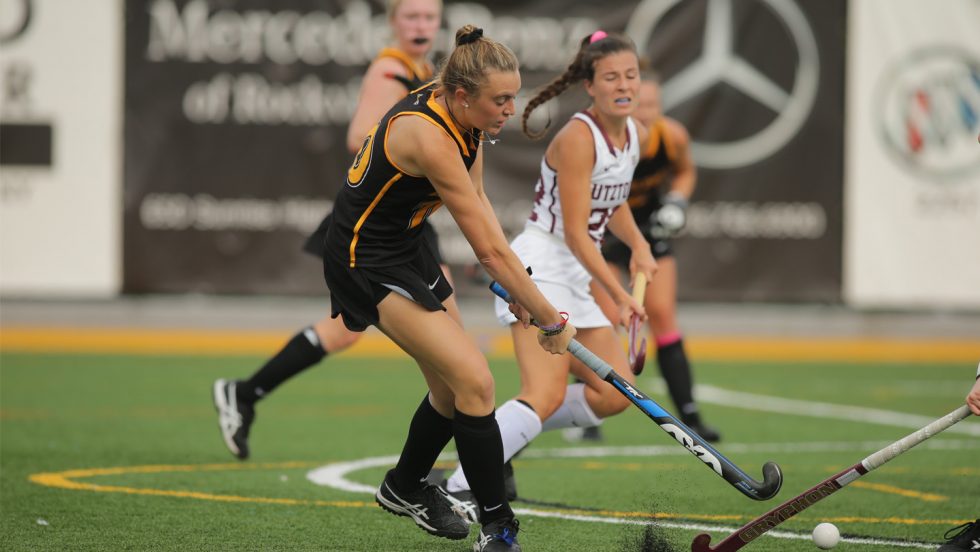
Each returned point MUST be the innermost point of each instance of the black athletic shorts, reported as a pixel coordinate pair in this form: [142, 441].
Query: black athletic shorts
[356, 292]
[619, 253]
[314, 244]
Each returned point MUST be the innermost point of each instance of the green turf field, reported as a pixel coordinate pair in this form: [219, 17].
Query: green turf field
[123, 453]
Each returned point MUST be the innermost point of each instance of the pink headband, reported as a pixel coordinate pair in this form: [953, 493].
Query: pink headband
[598, 35]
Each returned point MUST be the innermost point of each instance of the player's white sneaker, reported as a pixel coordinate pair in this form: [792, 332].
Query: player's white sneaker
[234, 418]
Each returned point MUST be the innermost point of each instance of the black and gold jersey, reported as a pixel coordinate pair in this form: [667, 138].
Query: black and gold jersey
[656, 166]
[418, 75]
[378, 215]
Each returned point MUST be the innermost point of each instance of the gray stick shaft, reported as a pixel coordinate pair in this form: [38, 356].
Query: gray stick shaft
[904, 444]
[588, 358]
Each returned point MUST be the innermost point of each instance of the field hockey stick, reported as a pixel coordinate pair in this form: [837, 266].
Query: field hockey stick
[637, 356]
[772, 475]
[748, 532]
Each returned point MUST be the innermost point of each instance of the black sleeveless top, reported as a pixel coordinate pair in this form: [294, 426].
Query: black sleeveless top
[655, 167]
[378, 215]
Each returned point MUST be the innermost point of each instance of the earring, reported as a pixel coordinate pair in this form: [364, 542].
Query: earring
[466, 105]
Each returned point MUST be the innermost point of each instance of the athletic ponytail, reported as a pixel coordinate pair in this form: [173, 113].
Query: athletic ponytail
[591, 49]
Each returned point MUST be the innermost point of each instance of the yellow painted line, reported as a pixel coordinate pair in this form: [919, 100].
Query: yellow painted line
[139, 341]
[496, 343]
[889, 489]
[67, 480]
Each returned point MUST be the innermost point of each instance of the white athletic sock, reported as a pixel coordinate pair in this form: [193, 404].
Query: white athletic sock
[573, 412]
[519, 425]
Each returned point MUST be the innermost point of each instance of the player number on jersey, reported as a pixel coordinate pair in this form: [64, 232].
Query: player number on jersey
[355, 175]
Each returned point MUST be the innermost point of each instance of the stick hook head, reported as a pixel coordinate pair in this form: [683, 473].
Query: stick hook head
[700, 543]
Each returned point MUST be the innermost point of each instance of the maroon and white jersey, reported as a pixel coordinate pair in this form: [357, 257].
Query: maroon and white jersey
[611, 177]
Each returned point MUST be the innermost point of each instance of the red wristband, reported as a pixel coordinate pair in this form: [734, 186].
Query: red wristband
[557, 328]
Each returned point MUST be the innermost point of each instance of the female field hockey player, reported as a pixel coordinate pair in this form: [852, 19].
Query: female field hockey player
[396, 71]
[585, 178]
[379, 273]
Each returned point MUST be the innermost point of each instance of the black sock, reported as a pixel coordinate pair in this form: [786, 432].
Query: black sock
[428, 434]
[481, 453]
[677, 373]
[302, 351]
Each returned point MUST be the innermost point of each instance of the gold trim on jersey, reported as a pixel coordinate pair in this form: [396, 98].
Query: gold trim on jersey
[446, 118]
[669, 144]
[653, 144]
[388, 133]
[659, 139]
[422, 73]
[364, 216]
[661, 136]
[427, 118]
[423, 210]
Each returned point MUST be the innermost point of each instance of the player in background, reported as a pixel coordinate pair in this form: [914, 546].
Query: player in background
[584, 179]
[662, 186]
[396, 71]
[380, 273]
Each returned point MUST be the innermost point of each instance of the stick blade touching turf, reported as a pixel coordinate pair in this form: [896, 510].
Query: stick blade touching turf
[701, 542]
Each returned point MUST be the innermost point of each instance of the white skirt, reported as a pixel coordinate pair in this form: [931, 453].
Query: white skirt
[560, 277]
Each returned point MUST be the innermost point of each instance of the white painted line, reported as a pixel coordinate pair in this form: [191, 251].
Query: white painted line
[813, 409]
[334, 475]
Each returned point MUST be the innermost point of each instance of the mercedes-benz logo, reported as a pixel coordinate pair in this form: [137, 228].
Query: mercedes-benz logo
[720, 64]
[15, 17]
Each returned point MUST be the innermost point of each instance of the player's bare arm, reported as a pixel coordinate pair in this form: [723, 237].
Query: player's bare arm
[378, 94]
[476, 175]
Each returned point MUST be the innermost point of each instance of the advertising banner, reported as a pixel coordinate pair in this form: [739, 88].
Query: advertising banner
[913, 178]
[60, 122]
[236, 115]
[759, 85]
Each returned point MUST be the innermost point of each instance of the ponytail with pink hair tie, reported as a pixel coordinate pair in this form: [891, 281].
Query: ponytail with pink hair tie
[596, 36]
